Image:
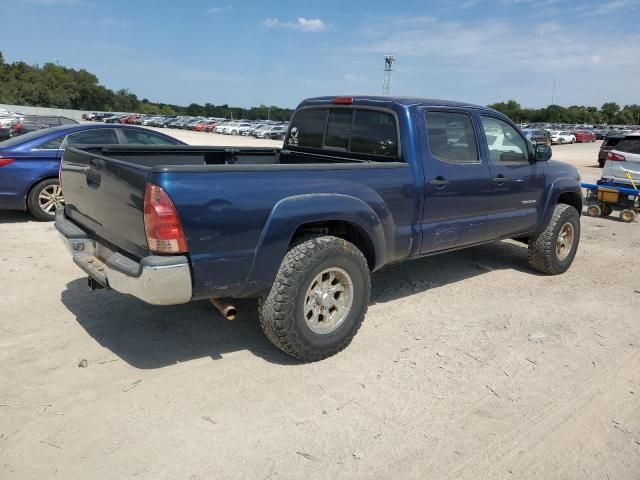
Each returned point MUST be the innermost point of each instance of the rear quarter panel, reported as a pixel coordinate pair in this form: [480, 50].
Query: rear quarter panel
[238, 224]
[17, 178]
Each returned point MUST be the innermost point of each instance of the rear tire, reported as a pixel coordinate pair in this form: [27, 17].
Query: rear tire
[552, 252]
[309, 314]
[44, 198]
[628, 216]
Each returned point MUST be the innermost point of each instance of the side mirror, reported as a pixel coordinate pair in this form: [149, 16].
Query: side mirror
[543, 152]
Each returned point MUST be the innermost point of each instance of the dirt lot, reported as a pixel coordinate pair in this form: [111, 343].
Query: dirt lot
[468, 366]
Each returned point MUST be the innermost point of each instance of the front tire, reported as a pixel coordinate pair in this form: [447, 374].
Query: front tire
[44, 198]
[318, 300]
[552, 252]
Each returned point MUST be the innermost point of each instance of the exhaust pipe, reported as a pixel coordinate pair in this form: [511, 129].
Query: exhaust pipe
[227, 310]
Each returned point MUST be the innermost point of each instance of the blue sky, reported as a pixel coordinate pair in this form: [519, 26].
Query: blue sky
[247, 52]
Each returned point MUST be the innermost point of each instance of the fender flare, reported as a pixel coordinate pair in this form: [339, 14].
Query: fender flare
[292, 212]
[557, 188]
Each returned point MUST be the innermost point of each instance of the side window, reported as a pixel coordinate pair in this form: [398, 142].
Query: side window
[307, 128]
[67, 121]
[97, 136]
[144, 138]
[53, 144]
[338, 128]
[451, 137]
[504, 142]
[374, 133]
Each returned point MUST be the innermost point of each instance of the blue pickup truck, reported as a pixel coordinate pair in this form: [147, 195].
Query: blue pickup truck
[361, 182]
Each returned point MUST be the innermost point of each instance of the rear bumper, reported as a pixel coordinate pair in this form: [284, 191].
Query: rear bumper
[154, 279]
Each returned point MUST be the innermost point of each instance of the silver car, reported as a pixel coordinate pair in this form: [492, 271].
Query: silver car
[623, 162]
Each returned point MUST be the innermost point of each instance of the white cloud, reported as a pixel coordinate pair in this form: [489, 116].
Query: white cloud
[613, 7]
[215, 11]
[302, 24]
[497, 59]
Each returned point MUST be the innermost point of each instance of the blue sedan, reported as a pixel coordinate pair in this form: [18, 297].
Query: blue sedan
[29, 163]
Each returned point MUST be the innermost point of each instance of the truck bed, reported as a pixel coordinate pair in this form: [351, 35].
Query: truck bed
[229, 201]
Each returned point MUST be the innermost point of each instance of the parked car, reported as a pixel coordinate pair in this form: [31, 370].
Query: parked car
[624, 159]
[32, 123]
[115, 119]
[277, 132]
[7, 124]
[355, 189]
[100, 116]
[609, 144]
[584, 136]
[222, 126]
[29, 163]
[6, 131]
[210, 126]
[561, 137]
[537, 136]
[234, 128]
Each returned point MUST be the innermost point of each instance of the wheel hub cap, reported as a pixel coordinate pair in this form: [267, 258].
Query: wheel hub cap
[328, 300]
[564, 241]
[51, 198]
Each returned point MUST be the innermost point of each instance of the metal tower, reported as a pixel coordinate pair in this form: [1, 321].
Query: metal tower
[388, 68]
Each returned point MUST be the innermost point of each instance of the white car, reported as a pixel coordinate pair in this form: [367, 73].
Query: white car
[624, 161]
[237, 128]
[560, 137]
[223, 127]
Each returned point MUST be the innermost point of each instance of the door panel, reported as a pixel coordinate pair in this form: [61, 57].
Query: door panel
[457, 181]
[517, 181]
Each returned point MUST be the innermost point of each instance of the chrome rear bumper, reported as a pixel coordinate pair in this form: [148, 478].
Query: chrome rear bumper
[154, 279]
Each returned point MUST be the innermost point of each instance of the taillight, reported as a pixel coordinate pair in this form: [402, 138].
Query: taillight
[161, 222]
[17, 126]
[615, 157]
[6, 161]
[342, 101]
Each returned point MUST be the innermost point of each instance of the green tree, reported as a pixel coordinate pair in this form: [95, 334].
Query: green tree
[610, 110]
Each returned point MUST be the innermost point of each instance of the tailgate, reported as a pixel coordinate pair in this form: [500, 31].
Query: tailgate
[106, 196]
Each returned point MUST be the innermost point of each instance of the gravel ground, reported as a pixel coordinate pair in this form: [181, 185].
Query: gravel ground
[468, 366]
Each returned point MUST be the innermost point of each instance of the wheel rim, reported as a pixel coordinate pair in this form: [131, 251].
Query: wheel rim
[50, 198]
[328, 300]
[565, 241]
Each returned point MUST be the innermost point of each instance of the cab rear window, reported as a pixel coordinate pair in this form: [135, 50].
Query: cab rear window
[358, 131]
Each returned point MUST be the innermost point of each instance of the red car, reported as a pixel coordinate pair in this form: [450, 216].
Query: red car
[209, 126]
[584, 136]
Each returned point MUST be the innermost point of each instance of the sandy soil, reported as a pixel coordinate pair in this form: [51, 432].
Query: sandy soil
[468, 366]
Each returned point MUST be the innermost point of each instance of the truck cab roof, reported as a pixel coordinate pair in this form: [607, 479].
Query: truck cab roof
[388, 102]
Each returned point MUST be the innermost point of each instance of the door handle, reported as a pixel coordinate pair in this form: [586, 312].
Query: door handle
[500, 179]
[439, 182]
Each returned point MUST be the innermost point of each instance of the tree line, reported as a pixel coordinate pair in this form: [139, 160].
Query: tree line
[55, 86]
[609, 113]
